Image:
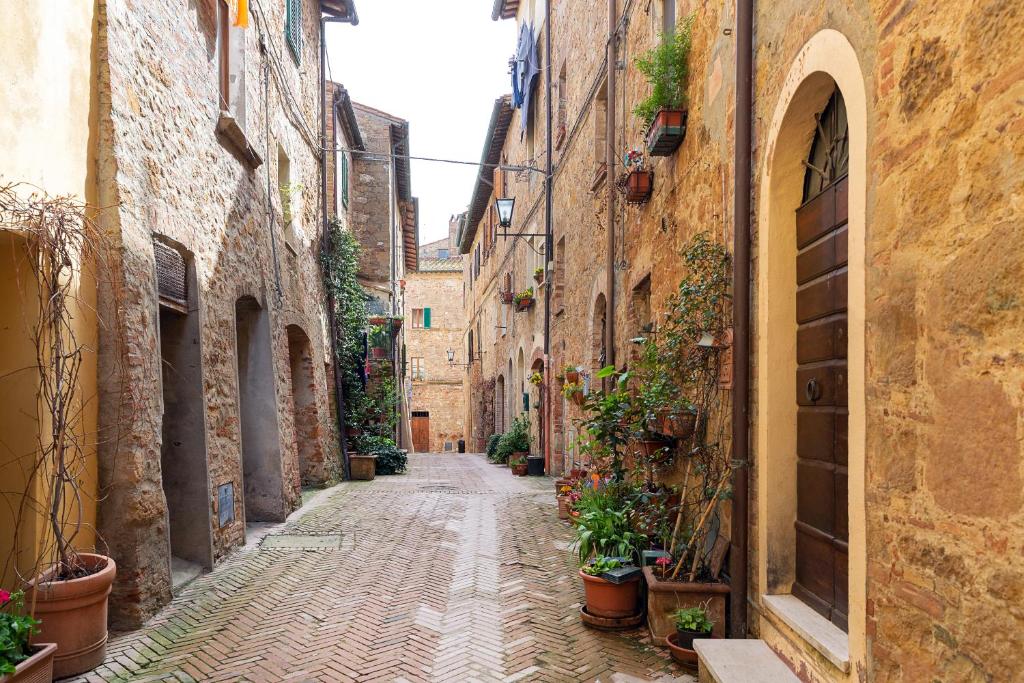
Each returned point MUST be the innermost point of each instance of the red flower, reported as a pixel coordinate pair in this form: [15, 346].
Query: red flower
[5, 596]
[663, 561]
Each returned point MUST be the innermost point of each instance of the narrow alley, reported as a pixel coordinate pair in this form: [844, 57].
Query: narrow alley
[456, 571]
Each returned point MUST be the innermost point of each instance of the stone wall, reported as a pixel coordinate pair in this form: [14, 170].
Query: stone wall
[941, 516]
[441, 392]
[371, 203]
[170, 175]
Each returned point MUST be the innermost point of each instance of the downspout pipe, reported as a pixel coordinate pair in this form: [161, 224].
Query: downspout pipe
[325, 238]
[738, 562]
[610, 158]
[548, 242]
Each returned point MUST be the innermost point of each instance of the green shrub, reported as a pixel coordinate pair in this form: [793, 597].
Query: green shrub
[390, 458]
[515, 440]
[492, 447]
[667, 69]
[16, 628]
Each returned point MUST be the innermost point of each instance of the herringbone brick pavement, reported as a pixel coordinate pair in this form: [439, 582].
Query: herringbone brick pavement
[456, 571]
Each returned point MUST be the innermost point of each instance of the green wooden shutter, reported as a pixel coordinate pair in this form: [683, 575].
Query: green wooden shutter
[293, 27]
[344, 179]
[426, 317]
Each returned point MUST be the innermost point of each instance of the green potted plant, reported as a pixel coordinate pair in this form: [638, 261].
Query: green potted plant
[519, 465]
[536, 379]
[571, 374]
[492, 447]
[387, 457]
[379, 339]
[691, 623]
[538, 274]
[573, 391]
[19, 660]
[609, 599]
[515, 443]
[523, 300]
[667, 69]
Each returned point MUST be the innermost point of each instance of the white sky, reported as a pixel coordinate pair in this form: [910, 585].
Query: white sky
[440, 65]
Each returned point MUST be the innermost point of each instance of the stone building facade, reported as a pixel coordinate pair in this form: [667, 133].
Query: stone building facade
[208, 155]
[434, 324]
[925, 289]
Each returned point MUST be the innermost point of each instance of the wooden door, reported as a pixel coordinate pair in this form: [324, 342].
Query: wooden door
[821, 376]
[421, 431]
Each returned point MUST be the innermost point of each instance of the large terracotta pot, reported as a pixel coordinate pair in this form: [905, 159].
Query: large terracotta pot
[680, 425]
[36, 669]
[665, 597]
[607, 599]
[563, 507]
[362, 467]
[74, 615]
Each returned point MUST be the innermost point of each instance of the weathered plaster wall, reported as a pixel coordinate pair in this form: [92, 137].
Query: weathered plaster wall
[165, 169]
[47, 140]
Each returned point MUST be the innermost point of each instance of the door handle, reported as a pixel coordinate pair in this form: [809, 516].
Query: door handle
[813, 390]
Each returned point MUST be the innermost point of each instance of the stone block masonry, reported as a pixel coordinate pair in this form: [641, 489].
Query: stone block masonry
[171, 177]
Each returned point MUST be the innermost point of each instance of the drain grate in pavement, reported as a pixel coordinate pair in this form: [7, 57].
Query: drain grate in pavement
[302, 542]
[439, 488]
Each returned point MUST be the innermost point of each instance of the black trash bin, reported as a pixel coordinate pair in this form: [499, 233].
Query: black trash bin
[462, 445]
[535, 465]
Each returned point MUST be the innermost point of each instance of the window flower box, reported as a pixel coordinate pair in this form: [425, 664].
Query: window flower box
[666, 132]
[638, 186]
[523, 300]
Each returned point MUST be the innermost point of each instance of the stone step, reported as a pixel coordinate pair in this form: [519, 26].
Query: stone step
[740, 661]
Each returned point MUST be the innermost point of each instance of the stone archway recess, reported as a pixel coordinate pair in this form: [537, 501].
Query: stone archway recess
[826, 61]
[306, 418]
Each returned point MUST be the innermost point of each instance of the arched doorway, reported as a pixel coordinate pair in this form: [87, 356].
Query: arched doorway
[598, 352]
[822, 525]
[499, 405]
[306, 419]
[537, 403]
[263, 486]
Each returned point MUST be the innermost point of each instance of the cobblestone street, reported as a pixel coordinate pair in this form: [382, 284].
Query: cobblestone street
[456, 571]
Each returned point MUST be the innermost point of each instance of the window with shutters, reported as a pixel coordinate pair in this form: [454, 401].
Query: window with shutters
[293, 28]
[418, 369]
[230, 64]
[171, 277]
[421, 318]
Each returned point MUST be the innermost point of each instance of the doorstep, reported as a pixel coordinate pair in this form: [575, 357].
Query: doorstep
[740, 661]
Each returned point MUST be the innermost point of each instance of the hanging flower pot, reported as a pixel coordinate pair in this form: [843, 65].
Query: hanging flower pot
[572, 375]
[379, 352]
[638, 186]
[666, 132]
[680, 425]
[506, 297]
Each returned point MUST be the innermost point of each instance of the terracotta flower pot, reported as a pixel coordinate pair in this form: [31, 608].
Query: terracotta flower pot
[563, 507]
[559, 483]
[680, 425]
[638, 186]
[572, 377]
[607, 599]
[653, 450]
[682, 655]
[379, 353]
[579, 398]
[74, 615]
[664, 597]
[36, 669]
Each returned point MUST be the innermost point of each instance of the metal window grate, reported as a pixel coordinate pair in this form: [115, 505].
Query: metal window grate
[171, 275]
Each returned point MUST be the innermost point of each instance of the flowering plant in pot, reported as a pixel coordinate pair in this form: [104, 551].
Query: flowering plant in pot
[536, 379]
[524, 299]
[378, 341]
[538, 274]
[607, 598]
[574, 392]
[20, 661]
[667, 69]
[571, 374]
[637, 183]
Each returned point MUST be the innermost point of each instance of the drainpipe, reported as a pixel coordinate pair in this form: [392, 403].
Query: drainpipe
[609, 336]
[548, 243]
[332, 321]
[738, 568]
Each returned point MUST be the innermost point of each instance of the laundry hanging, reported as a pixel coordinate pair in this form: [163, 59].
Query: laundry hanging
[525, 69]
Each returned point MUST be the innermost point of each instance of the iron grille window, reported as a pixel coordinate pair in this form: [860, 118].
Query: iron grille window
[171, 275]
[293, 28]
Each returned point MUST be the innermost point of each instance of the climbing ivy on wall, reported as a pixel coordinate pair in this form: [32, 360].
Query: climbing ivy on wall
[340, 263]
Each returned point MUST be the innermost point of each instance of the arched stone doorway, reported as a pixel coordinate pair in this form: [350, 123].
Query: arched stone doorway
[262, 477]
[499, 405]
[306, 418]
[811, 354]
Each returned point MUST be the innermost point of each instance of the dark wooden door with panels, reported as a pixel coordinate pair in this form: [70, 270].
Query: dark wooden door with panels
[822, 530]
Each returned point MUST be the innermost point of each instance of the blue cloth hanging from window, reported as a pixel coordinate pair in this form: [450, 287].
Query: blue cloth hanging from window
[525, 69]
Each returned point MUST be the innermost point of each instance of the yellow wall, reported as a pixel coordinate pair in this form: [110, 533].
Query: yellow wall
[47, 141]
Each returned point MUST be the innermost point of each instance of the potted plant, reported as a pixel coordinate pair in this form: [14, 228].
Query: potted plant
[637, 183]
[571, 374]
[515, 443]
[536, 379]
[607, 598]
[378, 341]
[538, 274]
[518, 465]
[20, 661]
[387, 457]
[691, 623]
[524, 299]
[667, 69]
[573, 391]
[362, 466]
